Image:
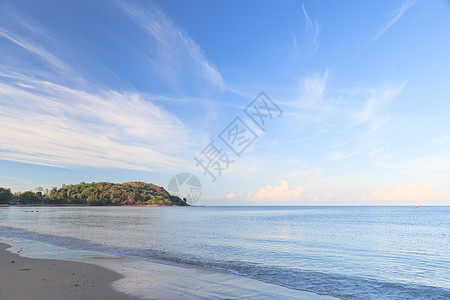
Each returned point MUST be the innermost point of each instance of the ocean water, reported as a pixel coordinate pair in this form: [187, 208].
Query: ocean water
[345, 252]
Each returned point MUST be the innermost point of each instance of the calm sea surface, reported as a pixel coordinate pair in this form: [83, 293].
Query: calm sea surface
[346, 252]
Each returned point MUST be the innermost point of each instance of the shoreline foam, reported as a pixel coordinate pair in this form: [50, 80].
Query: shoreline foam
[134, 277]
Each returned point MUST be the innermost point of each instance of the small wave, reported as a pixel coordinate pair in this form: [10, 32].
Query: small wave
[337, 285]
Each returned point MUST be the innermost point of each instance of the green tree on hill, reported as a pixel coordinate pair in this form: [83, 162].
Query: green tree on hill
[100, 193]
[28, 197]
[5, 196]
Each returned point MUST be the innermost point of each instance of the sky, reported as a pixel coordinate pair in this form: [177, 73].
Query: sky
[265, 102]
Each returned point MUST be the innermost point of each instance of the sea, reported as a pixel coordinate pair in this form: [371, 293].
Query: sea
[347, 252]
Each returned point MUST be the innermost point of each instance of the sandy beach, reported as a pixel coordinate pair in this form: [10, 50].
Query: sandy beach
[26, 278]
[105, 277]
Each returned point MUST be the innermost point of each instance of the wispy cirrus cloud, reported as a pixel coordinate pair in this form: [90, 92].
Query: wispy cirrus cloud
[29, 48]
[313, 88]
[177, 54]
[49, 124]
[365, 122]
[51, 120]
[308, 40]
[405, 6]
[374, 100]
[357, 106]
[354, 116]
[312, 107]
[36, 50]
[312, 31]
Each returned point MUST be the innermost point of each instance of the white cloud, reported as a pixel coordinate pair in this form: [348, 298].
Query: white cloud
[364, 124]
[49, 124]
[374, 101]
[58, 122]
[355, 106]
[423, 193]
[36, 50]
[280, 193]
[294, 41]
[356, 117]
[177, 53]
[231, 196]
[312, 103]
[312, 109]
[313, 88]
[312, 31]
[405, 6]
[309, 39]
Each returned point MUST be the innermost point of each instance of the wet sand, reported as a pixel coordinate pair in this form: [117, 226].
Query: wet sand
[94, 275]
[27, 278]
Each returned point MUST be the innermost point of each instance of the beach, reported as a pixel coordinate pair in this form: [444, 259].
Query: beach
[26, 278]
[108, 277]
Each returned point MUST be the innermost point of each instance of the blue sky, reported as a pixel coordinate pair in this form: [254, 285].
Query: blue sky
[134, 90]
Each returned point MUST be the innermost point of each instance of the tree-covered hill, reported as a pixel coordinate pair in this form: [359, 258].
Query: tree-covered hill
[99, 193]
